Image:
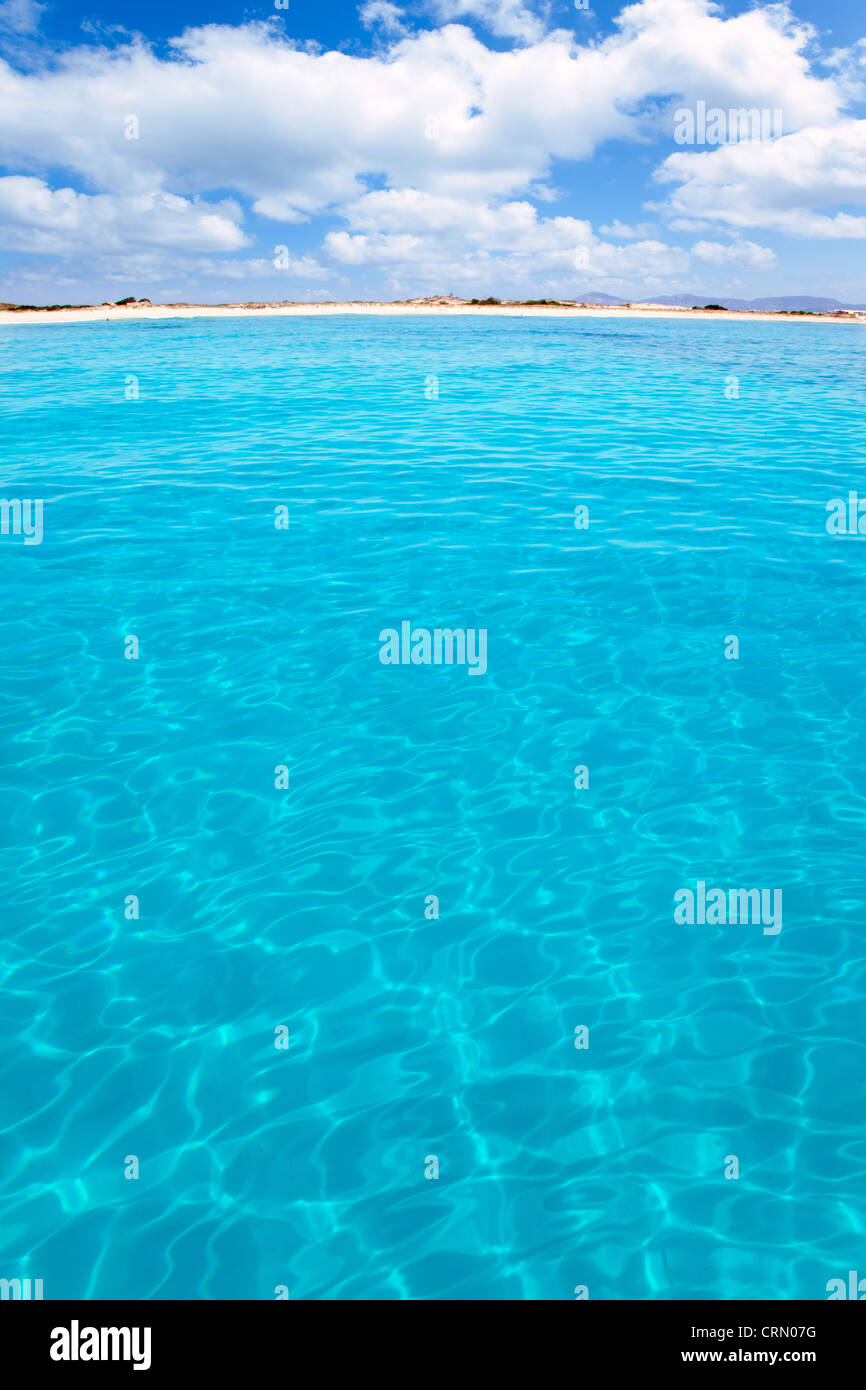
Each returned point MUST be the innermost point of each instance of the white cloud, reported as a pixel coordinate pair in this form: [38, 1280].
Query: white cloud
[785, 185]
[34, 217]
[20, 16]
[509, 226]
[379, 249]
[254, 268]
[387, 16]
[849, 68]
[509, 19]
[462, 136]
[243, 108]
[621, 231]
[745, 254]
[439, 240]
[279, 209]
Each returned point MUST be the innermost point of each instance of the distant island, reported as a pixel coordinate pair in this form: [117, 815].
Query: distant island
[671, 306]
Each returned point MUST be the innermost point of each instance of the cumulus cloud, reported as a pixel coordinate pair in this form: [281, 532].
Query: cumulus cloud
[509, 19]
[460, 140]
[621, 231]
[246, 109]
[20, 16]
[440, 240]
[745, 254]
[849, 67]
[34, 217]
[282, 265]
[387, 16]
[787, 185]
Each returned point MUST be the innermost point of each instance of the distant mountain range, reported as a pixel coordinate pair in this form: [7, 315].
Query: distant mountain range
[802, 303]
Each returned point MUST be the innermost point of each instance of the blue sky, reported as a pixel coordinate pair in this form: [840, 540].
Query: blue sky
[386, 150]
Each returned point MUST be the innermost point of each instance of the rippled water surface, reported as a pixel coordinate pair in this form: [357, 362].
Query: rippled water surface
[411, 1036]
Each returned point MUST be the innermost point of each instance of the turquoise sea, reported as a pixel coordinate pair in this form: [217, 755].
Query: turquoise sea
[431, 469]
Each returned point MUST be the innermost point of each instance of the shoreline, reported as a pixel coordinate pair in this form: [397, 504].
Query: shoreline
[443, 308]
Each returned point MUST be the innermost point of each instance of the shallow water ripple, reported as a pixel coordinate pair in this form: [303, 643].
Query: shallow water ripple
[452, 1037]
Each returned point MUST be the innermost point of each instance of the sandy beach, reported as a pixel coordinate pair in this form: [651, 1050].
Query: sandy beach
[439, 306]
